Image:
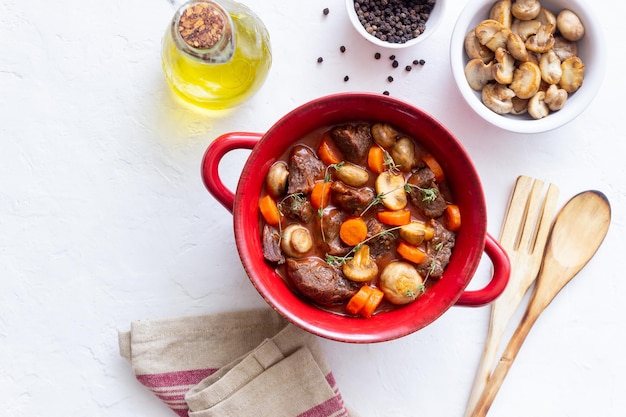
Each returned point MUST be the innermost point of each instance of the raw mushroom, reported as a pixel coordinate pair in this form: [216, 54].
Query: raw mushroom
[478, 73]
[555, 97]
[361, 268]
[569, 25]
[526, 9]
[475, 50]
[550, 66]
[537, 107]
[573, 72]
[497, 97]
[526, 80]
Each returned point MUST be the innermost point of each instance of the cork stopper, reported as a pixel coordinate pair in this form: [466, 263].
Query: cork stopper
[203, 29]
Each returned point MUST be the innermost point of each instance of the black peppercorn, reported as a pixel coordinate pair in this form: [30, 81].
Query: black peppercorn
[377, 55]
[392, 57]
[386, 93]
[408, 68]
[394, 64]
[342, 49]
[346, 78]
[326, 11]
[422, 62]
[394, 21]
[320, 60]
[390, 79]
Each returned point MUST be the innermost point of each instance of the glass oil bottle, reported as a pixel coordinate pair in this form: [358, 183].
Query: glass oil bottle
[215, 54]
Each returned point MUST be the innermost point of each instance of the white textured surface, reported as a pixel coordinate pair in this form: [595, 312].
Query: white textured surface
[104, 219]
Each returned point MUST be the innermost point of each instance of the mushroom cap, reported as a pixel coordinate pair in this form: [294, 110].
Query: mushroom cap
[542, 41]
[526, 9]
[550, 66]
[537, 107]
[497, 97]
[478, 74]
[526, 80]
[516, 47]
[492, 34]
[555, 97]
[573, 74]
[525, 28]
[476, 50]
[501, 12]
[569, 25]
[505, 66]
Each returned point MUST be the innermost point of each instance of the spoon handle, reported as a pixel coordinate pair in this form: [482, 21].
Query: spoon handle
[506, 361]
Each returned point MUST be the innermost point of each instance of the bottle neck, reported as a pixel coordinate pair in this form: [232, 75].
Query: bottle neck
[204, 30]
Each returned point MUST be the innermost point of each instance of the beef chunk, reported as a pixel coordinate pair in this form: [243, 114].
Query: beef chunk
[353, 141]
[424, 179]
[381, 244]
[329, 224]
[438, 251]
[271, 245]
[297, 207]
[353, 200]
[304, 170]
[320, 282]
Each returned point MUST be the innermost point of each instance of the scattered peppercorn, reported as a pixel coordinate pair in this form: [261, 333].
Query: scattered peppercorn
[422, 62]
[392, 57]
[394, 21]
[408, 68]
[394, 64]
[390, 79]
[377, 55]
[386, 93]
[342, 49]
[346, 78]
[326, 11]
[320, 60]
[415, 62]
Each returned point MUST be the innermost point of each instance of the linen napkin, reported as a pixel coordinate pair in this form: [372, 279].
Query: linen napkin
[248, 363]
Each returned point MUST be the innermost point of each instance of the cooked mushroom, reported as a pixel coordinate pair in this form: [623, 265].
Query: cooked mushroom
[352, 174]
[526, 80]
[537, 107]
[478, 74]
[501, 12]
[569, 25]
[384, 134]
[550, 66]
[276, 179]
[401, 282]
[526, 9]
[504, 67]
[492, 34]
[296, 240]
[520, 105]
[403, 154]
[390, 187]
[542, 41]
[361, 268]
[497, 97]
[416, 232]
[555, 97]
[546, 17]
[525, 28]
[475, 50]
[515, 46]
[564, 48]
[573, 72]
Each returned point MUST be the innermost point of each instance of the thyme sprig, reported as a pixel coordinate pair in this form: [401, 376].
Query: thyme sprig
[428, 194]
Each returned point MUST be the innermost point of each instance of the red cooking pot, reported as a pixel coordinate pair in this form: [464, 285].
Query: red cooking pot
[472, 239]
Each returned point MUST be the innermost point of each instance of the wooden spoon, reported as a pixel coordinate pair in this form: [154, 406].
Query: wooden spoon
[577, 232]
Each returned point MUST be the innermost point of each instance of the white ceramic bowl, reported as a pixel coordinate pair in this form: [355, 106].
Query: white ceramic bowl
[591, 50]
[431, 25]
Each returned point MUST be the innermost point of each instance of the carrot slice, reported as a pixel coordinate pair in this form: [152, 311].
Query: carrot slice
[452, 217]
[374, 300]
[320, 195]
[395, 217]
[434, 166]
[269, 210]
[327, 151]
[410, 252]
[353, 231]
[359, 299]
[376, 159]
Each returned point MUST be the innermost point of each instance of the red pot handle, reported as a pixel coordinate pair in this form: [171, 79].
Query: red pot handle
[211, 161]
[499, 280]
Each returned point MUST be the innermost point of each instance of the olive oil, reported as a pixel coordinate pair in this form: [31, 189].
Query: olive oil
[226, 71]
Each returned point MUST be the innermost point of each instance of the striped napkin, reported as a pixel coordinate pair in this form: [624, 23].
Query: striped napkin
[233, 364]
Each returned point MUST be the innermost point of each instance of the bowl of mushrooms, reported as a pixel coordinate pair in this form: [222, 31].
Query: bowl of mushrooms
[528, 66]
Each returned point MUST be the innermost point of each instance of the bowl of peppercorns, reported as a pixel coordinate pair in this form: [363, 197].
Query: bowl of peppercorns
[395, 24]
